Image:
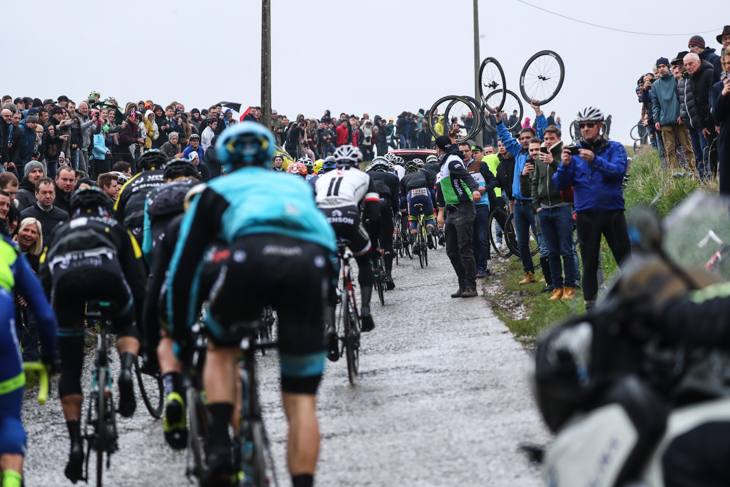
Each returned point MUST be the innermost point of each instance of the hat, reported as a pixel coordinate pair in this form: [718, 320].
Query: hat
[30, 165]
[172, 134]
[194, 136]
[697, 41]
[477, 148]
[63, 98]
[725, 32]
[390, 119]
[62, 155]
[662, 60]
[274, 112]
[194, 110]
[17, 100]
[443, 142]
[37, 102]
[204, 111]
[31, 118]
[33, 111]
[55, 110]
[193, 155]
[680, 58]
[48, 101]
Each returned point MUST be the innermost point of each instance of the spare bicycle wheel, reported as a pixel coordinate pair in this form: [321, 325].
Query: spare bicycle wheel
[455, 110]
[512, 102]
[542, 77]
[491, 78]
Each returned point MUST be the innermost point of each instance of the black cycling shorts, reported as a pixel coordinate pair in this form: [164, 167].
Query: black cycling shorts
[292, 275]
[346, 223]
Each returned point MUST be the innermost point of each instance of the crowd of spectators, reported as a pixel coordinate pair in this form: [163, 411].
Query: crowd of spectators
[685, 111]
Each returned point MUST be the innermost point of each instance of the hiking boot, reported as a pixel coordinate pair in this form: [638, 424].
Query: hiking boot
[75, 466]
[176, 427]
[367, 323]
[458, 293]
[127, 403]
[469, 293]
[529, 277]
[557, 294]
[568, 293]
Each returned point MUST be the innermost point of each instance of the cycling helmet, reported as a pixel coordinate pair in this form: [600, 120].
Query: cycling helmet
[389, 156]
[297, 168]
[318, 165]
[418, 162]
[328, 164]
[246, 143]
[177, 168]
[411, 167]
[122, 178]
[378, 164]
[590, 114]
[152, 159]
[431, 159]
[398, 161]
[347, 155]
[306, 161]
[91, 197]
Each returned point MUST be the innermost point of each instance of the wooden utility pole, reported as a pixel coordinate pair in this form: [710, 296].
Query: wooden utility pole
[266, 63]
[477, 63]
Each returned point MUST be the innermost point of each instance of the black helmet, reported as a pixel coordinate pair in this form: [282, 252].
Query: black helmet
[152, 159]
[91, 197]
[180, 168]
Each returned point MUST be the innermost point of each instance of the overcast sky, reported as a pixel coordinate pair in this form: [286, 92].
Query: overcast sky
[356, 56]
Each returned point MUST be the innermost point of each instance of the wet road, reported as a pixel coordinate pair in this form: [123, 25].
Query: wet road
[441, 400]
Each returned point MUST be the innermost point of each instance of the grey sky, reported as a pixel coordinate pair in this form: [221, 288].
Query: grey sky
[374, 56]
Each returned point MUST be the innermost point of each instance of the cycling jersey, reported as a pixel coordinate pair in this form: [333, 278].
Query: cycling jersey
[345, 187]
[130, 204]
[455, 184]
[249, 201]
[389, 188]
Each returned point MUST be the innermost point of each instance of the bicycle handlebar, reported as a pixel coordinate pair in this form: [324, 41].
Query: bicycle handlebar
[44, 384]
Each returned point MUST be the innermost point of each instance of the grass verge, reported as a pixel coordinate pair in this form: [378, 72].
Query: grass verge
[525, 310]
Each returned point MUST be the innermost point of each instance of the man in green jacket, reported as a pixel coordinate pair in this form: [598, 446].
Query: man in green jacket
[665, 108]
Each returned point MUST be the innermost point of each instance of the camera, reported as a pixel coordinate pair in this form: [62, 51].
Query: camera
[574, 150]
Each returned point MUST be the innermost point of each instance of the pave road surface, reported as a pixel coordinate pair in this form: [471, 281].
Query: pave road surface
[441, 400]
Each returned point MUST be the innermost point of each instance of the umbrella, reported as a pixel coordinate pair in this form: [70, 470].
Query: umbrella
[233, 106]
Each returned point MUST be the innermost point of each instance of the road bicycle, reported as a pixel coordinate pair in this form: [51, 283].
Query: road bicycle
[348, 319]
[421, 236]
[195, 401]
[397, 240]
[378, 266]
[497, 237]
[512, 243]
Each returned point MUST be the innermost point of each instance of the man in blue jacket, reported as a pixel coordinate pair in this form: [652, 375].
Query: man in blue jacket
[596, 174]
[194, 147]
[524, 218]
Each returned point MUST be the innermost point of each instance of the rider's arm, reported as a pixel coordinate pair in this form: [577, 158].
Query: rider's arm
[700, 319]
[201, 224]
[28, 286]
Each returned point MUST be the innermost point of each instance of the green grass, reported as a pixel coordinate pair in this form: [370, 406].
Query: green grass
[525, 310]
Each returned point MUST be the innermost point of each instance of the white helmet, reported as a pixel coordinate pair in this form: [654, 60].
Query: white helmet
[306, 161]
[590, 114]
[347, 155]
[389, 156]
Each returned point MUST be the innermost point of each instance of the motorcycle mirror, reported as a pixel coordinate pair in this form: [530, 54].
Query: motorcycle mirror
[645, 229]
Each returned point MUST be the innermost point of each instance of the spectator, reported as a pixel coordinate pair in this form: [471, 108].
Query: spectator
[551, 120]
[171, 148]
[326, 136]
[666, 115]
[5, 203]
[33, 172]
[9, 184]
[162, 125]
[65, 180]
[479, 170]
[342, 134]
[382, 143]
[390, 134]
[596, 175]
[43, 210]
[721, 113]
[555, 215]
[109, 182]
[513, 122]
[195, 120]
[697, 46]
[151, 130]
[505, 174]
[6, 119]
[129, 137]
[87, 128]
[697, 100]
[278, 165]
[277, 127]
[124, 168]
[202, 168]
[208, 133]
[194, 147]
[680, 74]
[367, 141]
[648, 117]
[609, 119]
[211, 159]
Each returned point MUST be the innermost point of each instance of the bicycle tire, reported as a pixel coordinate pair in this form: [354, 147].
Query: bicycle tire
[431, 123]
[544, 71]
[350, 352]
[473, 107]
[634, 134]
[407, 247]
[379, 282]
[199, 435]
[479, 114]
[511, 235]
[154, 381]
[258, 455]
[420, 243]
[491, 83]
[101, 430]
[512, 102]
[501, 249]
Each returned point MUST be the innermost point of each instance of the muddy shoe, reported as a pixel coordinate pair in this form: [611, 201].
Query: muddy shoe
[568, 293]
[470, 293]
[458, 293]
[557, 294]
[529, 277]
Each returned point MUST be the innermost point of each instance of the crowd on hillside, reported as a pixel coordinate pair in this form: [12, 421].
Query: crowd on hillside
[685, 110]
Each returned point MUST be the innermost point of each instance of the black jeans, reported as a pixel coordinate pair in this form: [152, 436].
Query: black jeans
[458, 231]
[610, 224]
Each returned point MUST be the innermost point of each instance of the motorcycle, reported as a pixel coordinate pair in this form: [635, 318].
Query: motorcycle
[630, 408]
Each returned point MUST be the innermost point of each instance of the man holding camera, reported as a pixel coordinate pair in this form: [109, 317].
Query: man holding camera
[596, 170]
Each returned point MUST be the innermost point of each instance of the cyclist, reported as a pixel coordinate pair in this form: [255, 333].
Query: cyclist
[389, 190]
[309, 164]
[329, 164]
[129, 207]
[164, 211]
[281, 252]
[297, 169]
[17, 275]
[400, 170]
[93, 257]
[432, 165]
[339, 194]
[416, 187]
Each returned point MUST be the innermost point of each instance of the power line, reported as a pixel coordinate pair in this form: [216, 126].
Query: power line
[614, 29]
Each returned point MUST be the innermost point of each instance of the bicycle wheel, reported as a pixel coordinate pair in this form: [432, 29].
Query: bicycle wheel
[407, 246]
[379, 281]
[101, 431]
[152, 389]
[452, 107]
[496, 235]
[420, 243]
[258, 456]
[511, 236]
[199, 435]
[634, 134]
[491, 78]
[478, 116]
[542, 77]
[351, 350]
[512, 103]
